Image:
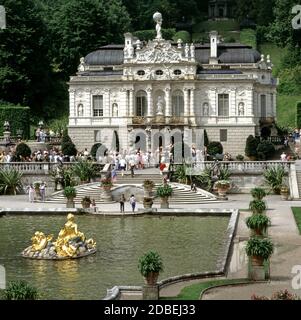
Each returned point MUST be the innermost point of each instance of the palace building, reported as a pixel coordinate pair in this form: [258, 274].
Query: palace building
[225, 88]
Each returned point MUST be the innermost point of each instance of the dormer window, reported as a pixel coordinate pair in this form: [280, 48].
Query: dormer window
[141, 73]
[159, 72]
[177, 72]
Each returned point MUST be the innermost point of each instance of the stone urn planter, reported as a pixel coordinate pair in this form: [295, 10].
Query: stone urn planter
[86, 202]
[284, 193]
[164, 192]
[70, 194]
[106, 186]
[222, 187]
[147, 202]
[70, 203]
[148, 186]
[36, 186]
[151, 278]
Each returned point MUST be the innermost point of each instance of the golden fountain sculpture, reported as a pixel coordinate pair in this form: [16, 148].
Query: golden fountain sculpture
[70, 244]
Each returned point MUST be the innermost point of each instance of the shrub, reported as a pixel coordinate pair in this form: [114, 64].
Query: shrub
[10, 181]
[248, 37]
[257, 206]
[22, 151]
[251, 146]
[214, 148]
[68, 147]
[223, 184]
[180, 174]
[258, 221]
[164, 191]
[150, 262]
[262, 247]
[70, 192]
[265, 149]
[84, 169]
[148, 184]
[279, 295]
[20, 290]
[274, 178]
[258, 193]
[240, 157]
[183, 35]
[17, 116]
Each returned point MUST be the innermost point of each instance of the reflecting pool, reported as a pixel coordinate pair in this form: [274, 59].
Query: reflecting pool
[186, 243]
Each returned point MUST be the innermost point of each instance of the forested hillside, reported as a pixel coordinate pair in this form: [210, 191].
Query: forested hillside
[45, 39]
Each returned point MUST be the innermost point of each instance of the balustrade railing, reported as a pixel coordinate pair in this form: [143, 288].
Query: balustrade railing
[237, 166]
[37, 168]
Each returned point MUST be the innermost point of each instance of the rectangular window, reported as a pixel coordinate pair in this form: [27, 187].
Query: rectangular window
[263, 104]
[97, 106]
[223, 105]
[223, 135]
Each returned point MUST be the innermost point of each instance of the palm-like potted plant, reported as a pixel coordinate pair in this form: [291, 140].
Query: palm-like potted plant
[258, 193]
[164, 192]
[84, 169]
[150, 265]
[257, 206]
[259, 249]
[274, 178]
[258, 223]
[70, 194]
[10, 181]
[86, 202]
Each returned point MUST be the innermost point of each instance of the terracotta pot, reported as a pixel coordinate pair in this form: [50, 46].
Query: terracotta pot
[152, 278]
[257, 260]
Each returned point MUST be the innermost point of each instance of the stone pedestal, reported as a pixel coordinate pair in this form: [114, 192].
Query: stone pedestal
[6, 136]
[164, 203]
[150, 292]
[106, 195]
[257, 273]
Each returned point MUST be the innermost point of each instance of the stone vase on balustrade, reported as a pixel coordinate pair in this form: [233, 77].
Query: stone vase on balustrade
[106, 193]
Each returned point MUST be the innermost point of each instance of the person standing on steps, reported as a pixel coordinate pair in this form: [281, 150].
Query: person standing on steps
[133, 202]
[122, 201]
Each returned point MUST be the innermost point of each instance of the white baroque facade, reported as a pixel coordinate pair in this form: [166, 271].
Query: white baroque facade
[226, 89]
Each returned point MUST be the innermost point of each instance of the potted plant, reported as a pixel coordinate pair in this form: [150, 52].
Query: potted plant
[258, 223]
[36, 186]
[284, 192]
[258, 193]
[86, 202]
[147, 202]
[70, 194]
[274, 178]
[257, 206]
[164, 192]
[148, 186]
[240, 157]
[259, 249]
[106, 184]
[150, 265]
[222, 187]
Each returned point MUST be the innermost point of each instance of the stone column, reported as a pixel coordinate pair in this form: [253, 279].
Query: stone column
[131, 103]
[168, 105]
[72, 108]
[192, 112]
[186, 104]
[150, 111]
[106, 111]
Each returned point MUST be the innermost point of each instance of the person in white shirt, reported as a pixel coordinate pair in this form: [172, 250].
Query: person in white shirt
[283, 157]
[122, 165]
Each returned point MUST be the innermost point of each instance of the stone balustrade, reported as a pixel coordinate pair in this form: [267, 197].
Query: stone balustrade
[40, 168]
[241, 166]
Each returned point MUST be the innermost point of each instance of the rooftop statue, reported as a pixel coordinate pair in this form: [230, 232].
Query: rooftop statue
[158, 19]
[70, 243]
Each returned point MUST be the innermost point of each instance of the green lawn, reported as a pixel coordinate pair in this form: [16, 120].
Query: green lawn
[286, 110]
[194, 291]
[248, 37]
[275, 52]
[219, 26]
[297, 215]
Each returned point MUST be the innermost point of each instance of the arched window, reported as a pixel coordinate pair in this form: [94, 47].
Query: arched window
[141, 103]
[80, 110]
[178, 103]
[114, 110]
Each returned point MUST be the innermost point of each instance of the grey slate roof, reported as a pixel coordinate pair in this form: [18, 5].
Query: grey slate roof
[227, 53]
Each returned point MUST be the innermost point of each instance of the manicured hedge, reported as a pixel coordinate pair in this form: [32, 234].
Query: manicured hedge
[17, 116]
[298, 115]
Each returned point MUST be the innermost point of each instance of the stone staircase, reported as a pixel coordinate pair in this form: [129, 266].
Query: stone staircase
[181, 194]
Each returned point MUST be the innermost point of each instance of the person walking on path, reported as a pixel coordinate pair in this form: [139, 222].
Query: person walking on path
[31, 193]
[133, 202]
[132, 167]
[122, 201]
[43, 191]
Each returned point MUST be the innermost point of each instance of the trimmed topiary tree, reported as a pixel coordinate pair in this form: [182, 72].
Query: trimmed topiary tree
[214, 147]
[22, 151]
[68, 147]
[251, 147]
[265, 150]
